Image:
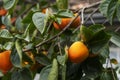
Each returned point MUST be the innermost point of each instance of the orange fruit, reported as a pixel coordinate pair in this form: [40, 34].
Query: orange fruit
[5, 63]
[44, 10]
[13, 19]
[2, 27]
[65, 22]
[3, 12]
[78, 52]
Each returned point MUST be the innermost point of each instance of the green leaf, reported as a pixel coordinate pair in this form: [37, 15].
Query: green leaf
[99, 40]
[6, 21]
[26, 34]
[118, 10]
[115, 38]
[64, 72]
[8, 45]
[28, 17]
[16, 55]
[111, 11]
[19, 25]
[6, 77]
[26, 74]
[108, 75]
[62, 4]
[64, 13]
[29, 32]
[62, 59]
[22, 74]
[43, 59]
[19, 49]
[5, 34]
[8, 4]
[74, 71]
[105, 51]
[104, 7]
[96, 28]
[89, 68]
[85, 33]
[39, 20]
[45, 72]
[53, 75]
[16, 76]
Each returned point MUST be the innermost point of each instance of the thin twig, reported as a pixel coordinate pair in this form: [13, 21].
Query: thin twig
[59, 45]
[116, 30]
[92, 20]
[90, 15]
[89, 6]
[82, 15]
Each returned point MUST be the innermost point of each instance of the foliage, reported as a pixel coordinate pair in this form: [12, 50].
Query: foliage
[33, 32]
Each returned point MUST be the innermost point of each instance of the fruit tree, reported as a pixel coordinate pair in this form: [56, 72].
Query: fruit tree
[50, 38]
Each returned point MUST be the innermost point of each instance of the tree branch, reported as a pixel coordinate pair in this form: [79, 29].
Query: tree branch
[86, 19]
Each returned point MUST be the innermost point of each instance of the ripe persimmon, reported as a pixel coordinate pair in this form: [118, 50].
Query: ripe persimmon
[13, 19]
[44, 10]
[5, 63]
[65, 22]
[2, 27]
[3, 12]
[78, 52]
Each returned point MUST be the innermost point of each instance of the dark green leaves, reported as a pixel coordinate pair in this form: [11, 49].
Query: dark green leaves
[85, 34]
[62, 4]
[95, 37]
[115, 38]
[5, 34]
[110, 9]
[98, 41]
[45, 72]
[22, 74]
[39, 20]
[64, 13]
[53, 75]
[19, 24]
[43, 59]
[104, 7]
[108, 75]
[8, 4]
[118, 11]
[16, 55]
[92, 68]
[28, 17]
